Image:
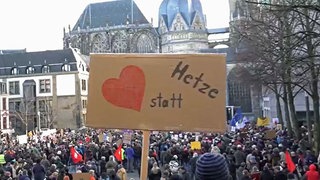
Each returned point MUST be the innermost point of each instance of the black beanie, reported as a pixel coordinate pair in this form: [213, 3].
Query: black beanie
[212, 166]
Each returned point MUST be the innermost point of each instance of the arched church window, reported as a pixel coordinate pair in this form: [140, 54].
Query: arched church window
[239, 93]
[144, 44]
[119, 44]
[30, 70]
[45, 69]
[100, 44]
[14, 71]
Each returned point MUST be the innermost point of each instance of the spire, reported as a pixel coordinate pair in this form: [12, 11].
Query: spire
[189, 5]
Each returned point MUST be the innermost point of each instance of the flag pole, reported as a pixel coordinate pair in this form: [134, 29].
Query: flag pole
[144, 157]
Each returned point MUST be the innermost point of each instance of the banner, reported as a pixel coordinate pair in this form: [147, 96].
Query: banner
[195, 145]
[263, 122]
[22, 139]
[127, 137]
[81, 176]
[157, 92]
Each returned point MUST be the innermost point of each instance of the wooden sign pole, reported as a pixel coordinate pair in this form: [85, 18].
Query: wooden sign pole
[144, 156]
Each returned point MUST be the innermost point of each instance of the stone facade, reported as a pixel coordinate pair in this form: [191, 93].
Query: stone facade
[181, 29]
[52, 95]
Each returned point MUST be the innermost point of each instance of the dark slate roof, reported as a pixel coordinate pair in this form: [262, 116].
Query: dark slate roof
[113, 13]
[54, 59]
[12, 51]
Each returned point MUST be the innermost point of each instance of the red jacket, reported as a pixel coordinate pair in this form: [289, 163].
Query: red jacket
[312, 174]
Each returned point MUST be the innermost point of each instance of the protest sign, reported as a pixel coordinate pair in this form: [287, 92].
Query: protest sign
[157, 92]
[195, 145]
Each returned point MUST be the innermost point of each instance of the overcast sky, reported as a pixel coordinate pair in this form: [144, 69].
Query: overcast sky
[37, 25]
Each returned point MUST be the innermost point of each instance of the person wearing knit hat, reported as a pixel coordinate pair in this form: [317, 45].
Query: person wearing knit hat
[212, 166]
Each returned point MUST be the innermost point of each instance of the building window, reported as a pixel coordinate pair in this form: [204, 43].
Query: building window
[30, 70]
[14, 71]
[83, 85]
[84, 104]
[3, 88]
[45, 85]
[84, 117]
[45, 69]
[14, 106]
[14, 88]
[119, 44]
[144, 44]
[4, 103]
[66, 67]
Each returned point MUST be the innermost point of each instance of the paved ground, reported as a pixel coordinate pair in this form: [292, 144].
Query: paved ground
[134, 175]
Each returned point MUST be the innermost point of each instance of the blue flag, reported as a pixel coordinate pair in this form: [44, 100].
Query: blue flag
[236, 118]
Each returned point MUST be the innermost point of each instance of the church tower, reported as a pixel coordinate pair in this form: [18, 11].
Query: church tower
[237, 9]
[182, 26]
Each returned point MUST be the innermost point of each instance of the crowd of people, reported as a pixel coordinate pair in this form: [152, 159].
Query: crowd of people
[246, 154]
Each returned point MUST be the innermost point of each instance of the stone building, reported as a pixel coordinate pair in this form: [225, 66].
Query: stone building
[55, 82]
[120, 27]
[43, 89]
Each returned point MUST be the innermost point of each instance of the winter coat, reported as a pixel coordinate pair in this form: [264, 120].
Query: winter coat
[312, 174]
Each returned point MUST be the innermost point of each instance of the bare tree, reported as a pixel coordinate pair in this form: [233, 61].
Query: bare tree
[267, 41]
[24, 112]
[47, 114]
[285, 38]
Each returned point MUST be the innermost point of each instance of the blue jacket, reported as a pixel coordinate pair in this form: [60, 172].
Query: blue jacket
[129, 153]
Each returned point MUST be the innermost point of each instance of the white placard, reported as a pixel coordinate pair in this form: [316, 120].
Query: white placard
[23, 139]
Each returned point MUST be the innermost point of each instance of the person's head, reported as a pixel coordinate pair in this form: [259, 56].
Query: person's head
[91, 172]
[212, 166]
[195, 154]
[111, 158]
[155, 165]
[245, 172]
[277, 169]
[175, 157]
[38, 160]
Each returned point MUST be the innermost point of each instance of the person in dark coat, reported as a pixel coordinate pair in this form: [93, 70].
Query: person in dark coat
[38, 170]
[266, 173]
[246, 175]
[279, 174]
[192, 163]
[155, 172]
[103, 164]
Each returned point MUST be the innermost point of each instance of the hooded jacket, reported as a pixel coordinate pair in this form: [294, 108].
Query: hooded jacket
[312, 174]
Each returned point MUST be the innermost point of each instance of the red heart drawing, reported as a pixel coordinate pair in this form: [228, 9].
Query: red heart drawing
[128, 90]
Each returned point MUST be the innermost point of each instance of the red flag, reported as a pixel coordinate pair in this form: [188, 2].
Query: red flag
[75, 156]
[118, 153]
[290, 165]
